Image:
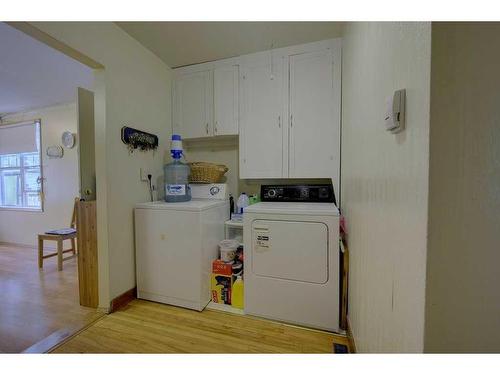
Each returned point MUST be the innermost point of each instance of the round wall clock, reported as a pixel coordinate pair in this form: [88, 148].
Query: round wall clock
[68, 139]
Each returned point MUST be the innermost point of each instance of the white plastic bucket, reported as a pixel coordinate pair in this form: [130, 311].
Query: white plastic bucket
[228, 250]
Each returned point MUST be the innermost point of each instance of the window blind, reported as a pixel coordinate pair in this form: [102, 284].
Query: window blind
[18, 138]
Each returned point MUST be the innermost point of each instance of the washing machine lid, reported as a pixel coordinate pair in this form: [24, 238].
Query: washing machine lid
[293, 208]
[196, 205]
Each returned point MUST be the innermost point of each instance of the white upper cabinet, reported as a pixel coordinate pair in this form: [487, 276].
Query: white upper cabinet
[261, 117]
[314, 116]
[226, 87]
[290, 114]
[284, 104]
[193, 104]
[205, 100]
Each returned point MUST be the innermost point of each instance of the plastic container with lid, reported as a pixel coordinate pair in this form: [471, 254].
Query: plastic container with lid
[228, 250]
[177, 174]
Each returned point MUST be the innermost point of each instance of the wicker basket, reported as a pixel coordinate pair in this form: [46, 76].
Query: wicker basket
[206, 173]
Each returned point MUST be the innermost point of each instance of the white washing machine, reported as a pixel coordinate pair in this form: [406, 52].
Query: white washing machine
[292, 263]
[175, 246]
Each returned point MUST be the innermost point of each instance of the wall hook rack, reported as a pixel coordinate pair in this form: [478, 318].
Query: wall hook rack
[137, 139]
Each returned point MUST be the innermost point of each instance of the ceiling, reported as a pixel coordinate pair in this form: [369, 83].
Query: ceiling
[185, 43]
[33, 75]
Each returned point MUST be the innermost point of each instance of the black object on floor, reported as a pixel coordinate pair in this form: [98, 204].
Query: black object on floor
[340, 349]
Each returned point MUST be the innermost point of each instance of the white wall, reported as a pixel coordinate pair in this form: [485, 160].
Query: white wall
[463, 275]
[384, 183]
[219, 152]
[223, 152]
[61, 179]
[134, 90]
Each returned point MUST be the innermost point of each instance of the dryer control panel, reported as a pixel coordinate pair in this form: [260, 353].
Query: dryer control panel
[297, 193]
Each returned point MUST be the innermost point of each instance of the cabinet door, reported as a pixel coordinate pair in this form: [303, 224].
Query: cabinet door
[193, 105]
[314, 118]
[261, 131]
[226, 100]
[168, 244]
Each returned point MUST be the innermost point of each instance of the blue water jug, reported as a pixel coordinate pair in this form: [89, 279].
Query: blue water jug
[177, 174]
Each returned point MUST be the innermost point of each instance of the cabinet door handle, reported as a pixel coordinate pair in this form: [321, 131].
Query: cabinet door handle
[279, 121]
[215, 128]
[206, 127]
[291, 120]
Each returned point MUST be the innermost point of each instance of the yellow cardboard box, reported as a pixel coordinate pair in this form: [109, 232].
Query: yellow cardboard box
[221, 282]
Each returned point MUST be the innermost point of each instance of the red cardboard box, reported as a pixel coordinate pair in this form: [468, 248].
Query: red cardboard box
[222, 268]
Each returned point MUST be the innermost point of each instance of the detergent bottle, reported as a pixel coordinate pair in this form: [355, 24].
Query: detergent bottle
[243, 202]
[237, 293]
[177, 174]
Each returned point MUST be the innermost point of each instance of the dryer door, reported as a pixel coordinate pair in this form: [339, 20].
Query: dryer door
[290, 250]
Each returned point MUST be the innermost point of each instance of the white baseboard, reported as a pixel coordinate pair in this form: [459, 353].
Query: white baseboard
[47, 245]
[13, 244]
[350, 336]
[226, 308]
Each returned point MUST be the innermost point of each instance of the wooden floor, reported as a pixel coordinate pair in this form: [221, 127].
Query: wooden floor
[36, 304]
[148, 327]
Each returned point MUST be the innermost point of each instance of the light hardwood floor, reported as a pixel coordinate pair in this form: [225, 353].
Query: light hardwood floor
[37, 303]
[148, 327]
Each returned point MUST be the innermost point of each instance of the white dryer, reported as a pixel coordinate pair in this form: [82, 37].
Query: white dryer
[292, 263]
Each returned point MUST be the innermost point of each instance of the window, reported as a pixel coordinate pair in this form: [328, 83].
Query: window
[20, 166]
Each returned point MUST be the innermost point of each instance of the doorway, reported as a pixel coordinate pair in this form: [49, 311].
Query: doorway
[46, 100]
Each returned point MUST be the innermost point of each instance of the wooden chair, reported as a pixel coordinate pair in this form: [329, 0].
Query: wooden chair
[59, 238]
